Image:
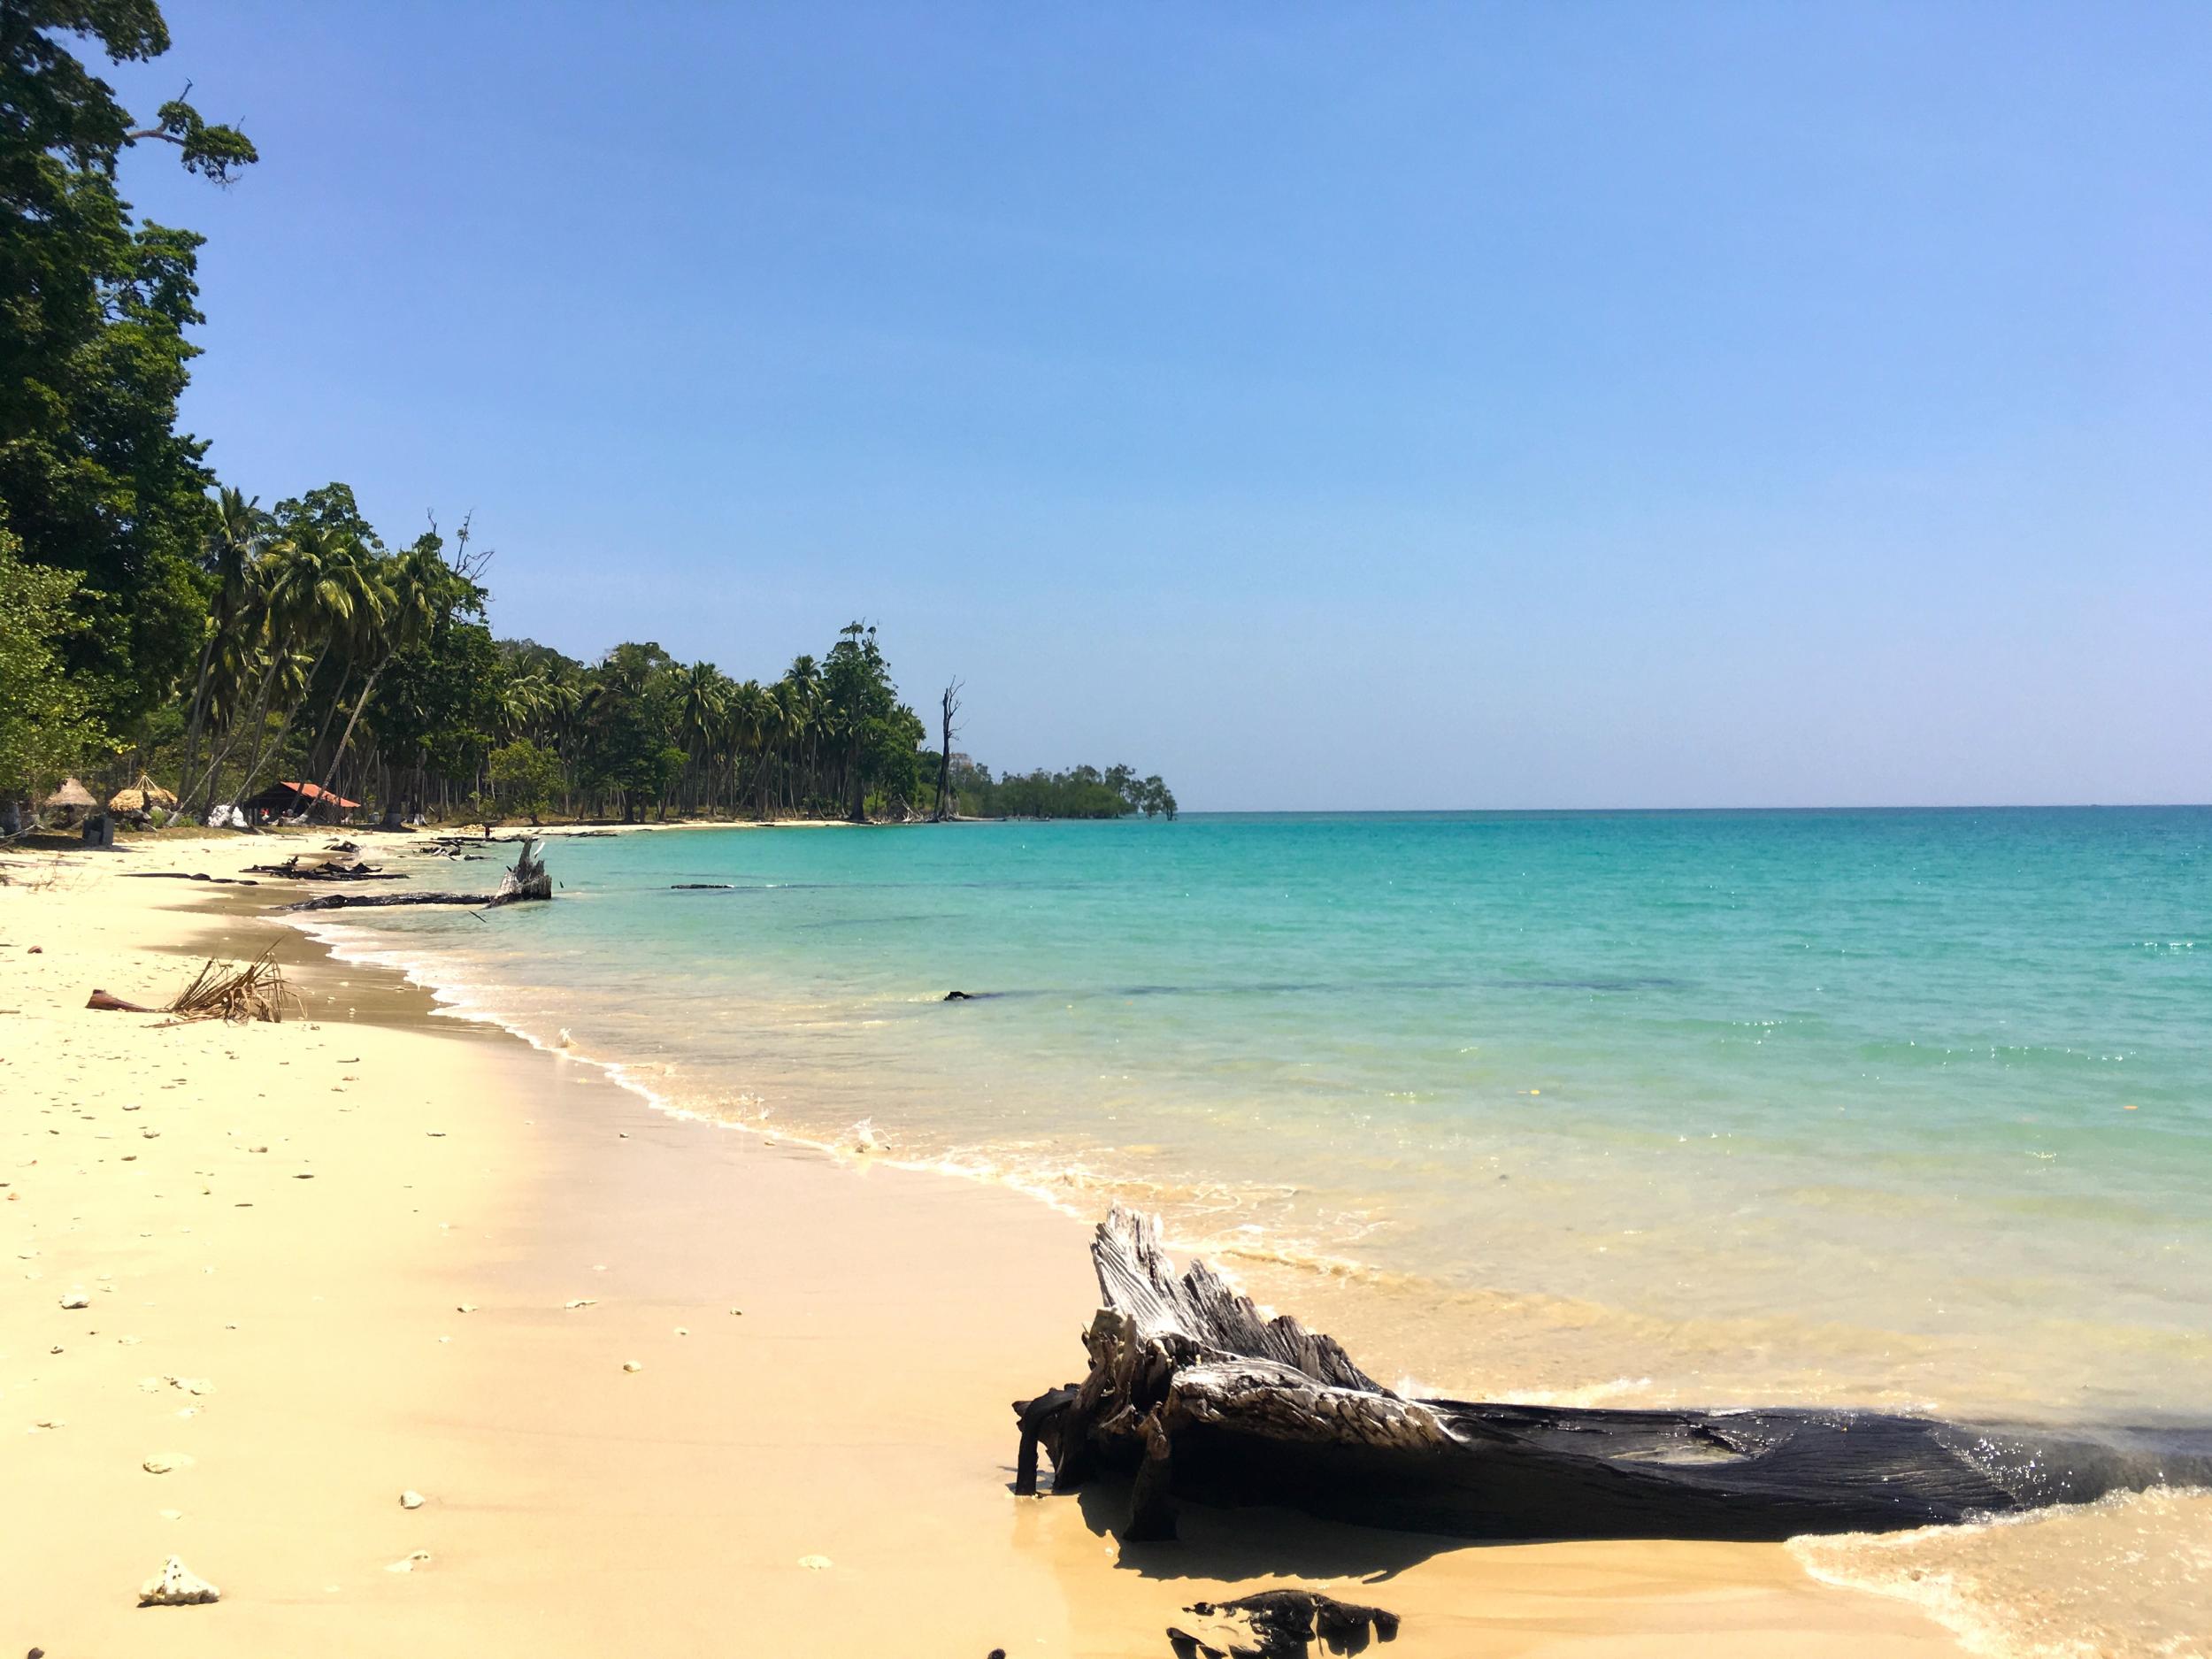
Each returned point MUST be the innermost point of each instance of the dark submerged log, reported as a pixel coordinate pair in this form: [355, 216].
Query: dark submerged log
[527, 880]
[1203, 1400]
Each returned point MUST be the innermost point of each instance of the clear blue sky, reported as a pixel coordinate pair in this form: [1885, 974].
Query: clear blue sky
[1325, 405]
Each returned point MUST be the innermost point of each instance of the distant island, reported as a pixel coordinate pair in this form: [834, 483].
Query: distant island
[1082, 792]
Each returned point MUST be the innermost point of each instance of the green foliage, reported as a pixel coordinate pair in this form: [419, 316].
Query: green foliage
[526, 777]
[45, 730]
[1081, 792]
[93, 313]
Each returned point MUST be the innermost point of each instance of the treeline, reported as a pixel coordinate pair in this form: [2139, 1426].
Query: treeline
[373, 675]
[151, 621]
[641, 731]
[1081, 792]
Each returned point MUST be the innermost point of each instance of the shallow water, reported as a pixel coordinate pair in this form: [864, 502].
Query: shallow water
[1908, 1108]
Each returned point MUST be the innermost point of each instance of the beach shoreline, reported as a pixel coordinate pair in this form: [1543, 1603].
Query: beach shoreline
[379, 1302]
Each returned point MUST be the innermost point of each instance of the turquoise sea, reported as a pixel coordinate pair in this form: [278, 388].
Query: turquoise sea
[1910, 1108]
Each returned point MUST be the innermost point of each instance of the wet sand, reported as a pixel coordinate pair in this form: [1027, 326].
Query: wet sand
[276, 1279]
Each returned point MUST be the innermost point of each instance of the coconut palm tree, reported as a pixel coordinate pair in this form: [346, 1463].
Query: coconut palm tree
[325, 588]
[420, 585]
[240, 534]
[702, 695]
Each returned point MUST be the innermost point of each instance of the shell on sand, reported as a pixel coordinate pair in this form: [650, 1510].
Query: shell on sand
[410, 1500]
[176, 1586]
[166, 1462]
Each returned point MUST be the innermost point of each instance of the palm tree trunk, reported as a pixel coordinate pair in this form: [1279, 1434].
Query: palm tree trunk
[199, 713]
[231, 735]
[337, 696]
[346, 737]
[284, 728]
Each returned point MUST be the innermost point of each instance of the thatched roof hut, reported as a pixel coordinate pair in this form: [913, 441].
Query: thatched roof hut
[72, 794]
[142, 797]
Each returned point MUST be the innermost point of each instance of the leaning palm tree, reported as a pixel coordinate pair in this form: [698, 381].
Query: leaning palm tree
[325, 590]
[420, 585]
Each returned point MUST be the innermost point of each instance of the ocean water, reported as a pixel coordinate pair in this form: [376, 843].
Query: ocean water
[1905, 1108]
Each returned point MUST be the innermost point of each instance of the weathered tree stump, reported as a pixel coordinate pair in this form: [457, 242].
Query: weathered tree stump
[1200, 1399]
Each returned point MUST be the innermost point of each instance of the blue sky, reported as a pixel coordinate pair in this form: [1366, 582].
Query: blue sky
[1471, 405]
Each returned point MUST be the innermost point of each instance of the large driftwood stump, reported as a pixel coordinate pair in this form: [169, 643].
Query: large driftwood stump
[1194, 1393]
[526, 880]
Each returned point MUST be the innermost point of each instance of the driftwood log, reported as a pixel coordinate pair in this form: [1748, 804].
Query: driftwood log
[526, 880]
[197, 875]
[1284, 1624]
[108, 1002]
[329, 870]
[1198, 1397]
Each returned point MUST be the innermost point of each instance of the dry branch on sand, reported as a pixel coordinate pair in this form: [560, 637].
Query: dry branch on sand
[237, 991]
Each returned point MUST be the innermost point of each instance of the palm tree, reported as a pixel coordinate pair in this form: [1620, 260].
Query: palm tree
[323, 586]
[748, 717]
[240, 531]
[701, 692]
[419, 584]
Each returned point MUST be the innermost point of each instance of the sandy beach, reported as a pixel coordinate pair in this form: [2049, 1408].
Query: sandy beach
[660, 1386]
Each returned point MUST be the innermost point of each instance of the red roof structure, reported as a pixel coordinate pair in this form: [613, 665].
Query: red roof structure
[284, 796]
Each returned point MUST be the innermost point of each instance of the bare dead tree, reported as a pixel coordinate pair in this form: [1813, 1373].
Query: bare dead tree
[951, 706]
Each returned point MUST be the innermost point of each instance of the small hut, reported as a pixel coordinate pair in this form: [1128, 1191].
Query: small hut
[72, 800]
[141, 800]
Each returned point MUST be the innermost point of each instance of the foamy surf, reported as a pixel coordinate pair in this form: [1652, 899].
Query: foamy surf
[2129, 1577]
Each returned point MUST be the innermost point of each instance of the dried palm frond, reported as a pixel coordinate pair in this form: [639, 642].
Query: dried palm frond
[237, 991]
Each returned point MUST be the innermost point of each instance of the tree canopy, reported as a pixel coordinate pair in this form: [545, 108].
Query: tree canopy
[94, 474]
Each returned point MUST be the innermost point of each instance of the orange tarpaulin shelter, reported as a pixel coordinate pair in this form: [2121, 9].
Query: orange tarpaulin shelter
[283, 799]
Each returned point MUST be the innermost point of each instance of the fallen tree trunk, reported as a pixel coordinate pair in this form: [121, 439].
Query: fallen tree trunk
[527, 880]
[329, 870]
[182, 875]
[1201, 1400]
